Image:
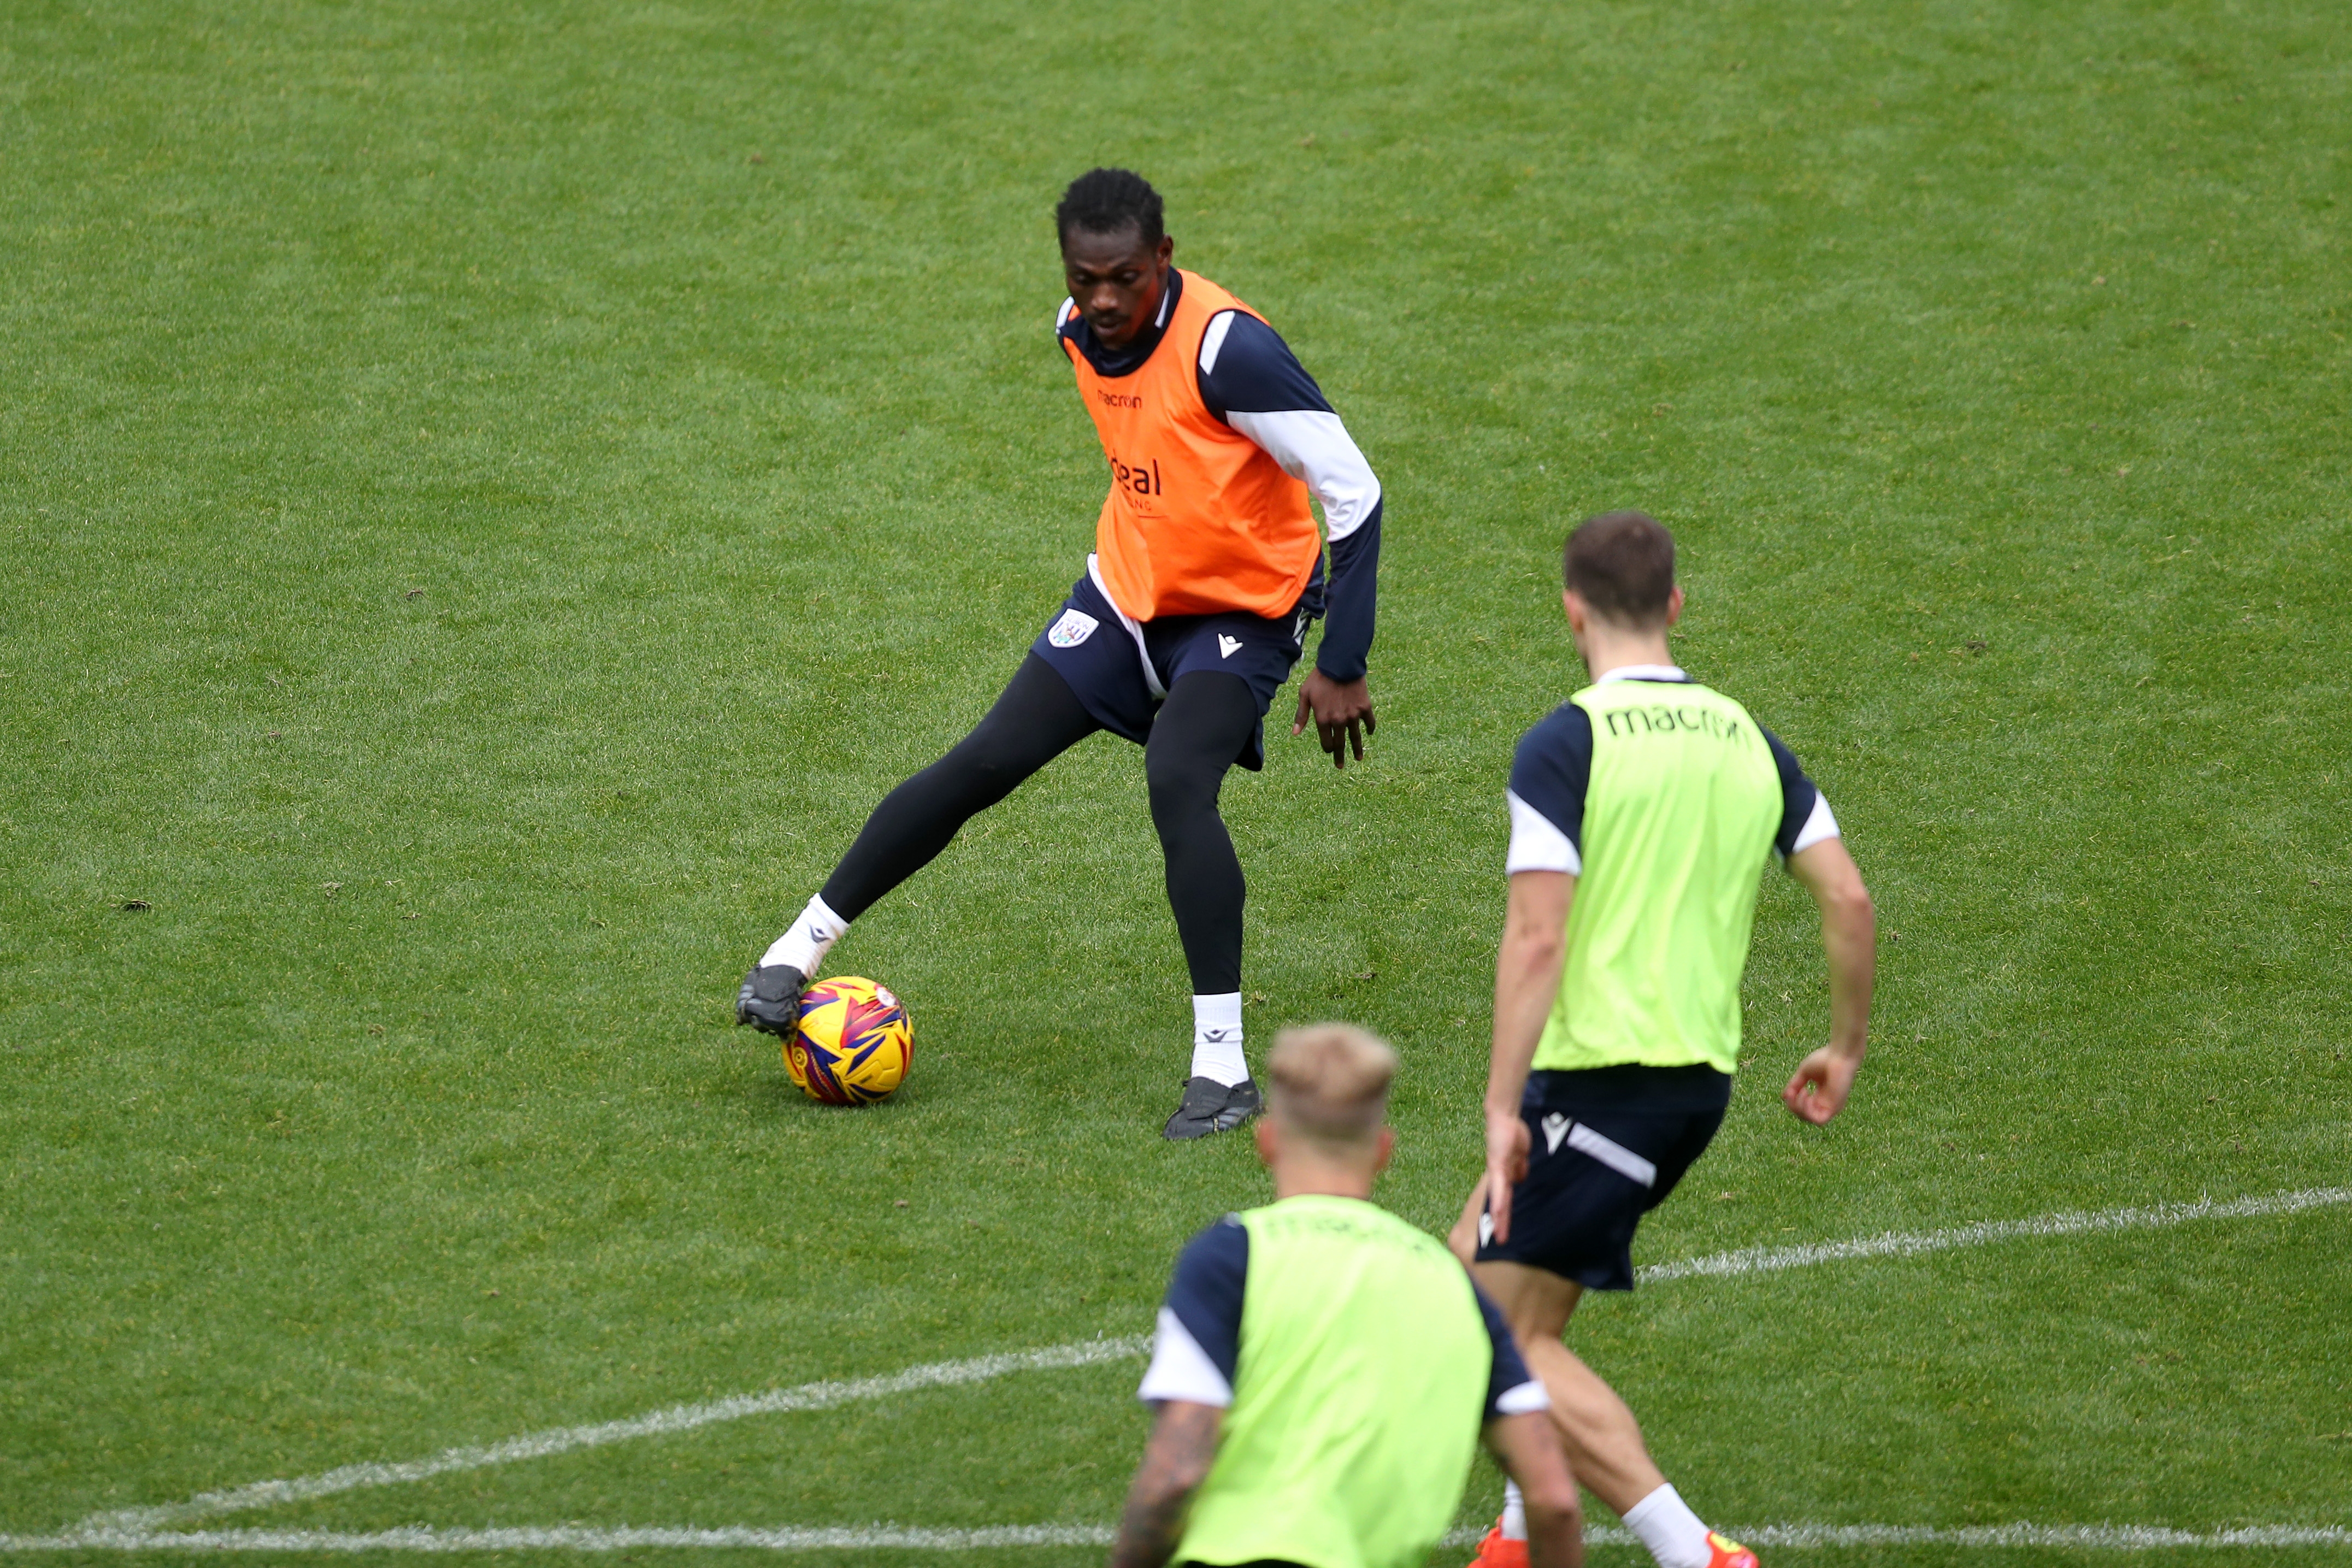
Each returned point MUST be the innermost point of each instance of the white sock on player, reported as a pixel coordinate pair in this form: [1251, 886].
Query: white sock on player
[1217, 1038]
[1676, 1536]
[1515, 1512]
[812, 937]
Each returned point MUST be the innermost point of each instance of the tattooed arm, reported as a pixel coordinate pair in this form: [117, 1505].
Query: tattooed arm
[1175, 1461]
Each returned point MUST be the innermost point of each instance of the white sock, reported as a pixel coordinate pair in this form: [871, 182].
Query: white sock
[812, 937]
[1217, 1038]
[1676, 1536]
[1515, 1512]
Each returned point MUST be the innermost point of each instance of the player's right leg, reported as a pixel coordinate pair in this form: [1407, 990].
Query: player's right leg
[1035, 719]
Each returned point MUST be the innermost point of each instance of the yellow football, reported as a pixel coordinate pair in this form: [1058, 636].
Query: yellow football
[854, 1043]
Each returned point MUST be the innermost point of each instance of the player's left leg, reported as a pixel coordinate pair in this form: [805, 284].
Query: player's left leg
[1202, 730]
[1606, 1146]
[1603, 1441]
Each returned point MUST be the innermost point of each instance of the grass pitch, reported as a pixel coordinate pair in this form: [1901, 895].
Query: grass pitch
[492, 496]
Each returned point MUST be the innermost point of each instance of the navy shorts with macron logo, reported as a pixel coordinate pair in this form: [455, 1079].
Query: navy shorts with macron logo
[1606, 1146]
[1123, 670]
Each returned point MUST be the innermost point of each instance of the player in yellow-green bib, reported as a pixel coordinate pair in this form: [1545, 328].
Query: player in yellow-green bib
[1324, 1372]
[1643, 813]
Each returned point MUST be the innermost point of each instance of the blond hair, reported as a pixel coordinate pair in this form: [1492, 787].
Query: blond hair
[1331, 1082]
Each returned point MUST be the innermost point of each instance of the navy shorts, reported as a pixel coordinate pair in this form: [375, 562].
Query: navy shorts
[1606, 1146]
[1123, 670]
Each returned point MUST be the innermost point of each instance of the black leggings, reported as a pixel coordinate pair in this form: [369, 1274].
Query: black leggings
[1199, 733]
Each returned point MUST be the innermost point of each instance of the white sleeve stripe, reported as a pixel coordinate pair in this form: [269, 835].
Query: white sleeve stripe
[1536, 843]
[1063, 315]
[1313, 445]
[1212, 341]
[1181, 1369]
[1820, 825]
[1525, 1400]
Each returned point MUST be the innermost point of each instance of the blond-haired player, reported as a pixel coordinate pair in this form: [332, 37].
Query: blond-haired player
[1323, 1370]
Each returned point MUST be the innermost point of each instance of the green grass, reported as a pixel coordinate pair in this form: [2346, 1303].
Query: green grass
[492, 497]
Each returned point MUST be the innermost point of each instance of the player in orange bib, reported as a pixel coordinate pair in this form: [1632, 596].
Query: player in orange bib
[1206, 571]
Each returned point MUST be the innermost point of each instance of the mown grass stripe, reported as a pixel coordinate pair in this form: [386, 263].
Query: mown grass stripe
[129, 1523]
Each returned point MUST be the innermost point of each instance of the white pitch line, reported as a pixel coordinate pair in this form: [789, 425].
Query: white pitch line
[2106, 1537]
[1901, 1244]
[565, 1439]
[904, 1538]
[1089, 1353]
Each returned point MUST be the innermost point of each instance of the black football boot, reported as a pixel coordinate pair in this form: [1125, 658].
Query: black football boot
[771, 999]
[1212, 1107]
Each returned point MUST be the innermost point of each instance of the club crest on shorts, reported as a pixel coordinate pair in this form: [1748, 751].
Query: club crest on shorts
[1075, 628]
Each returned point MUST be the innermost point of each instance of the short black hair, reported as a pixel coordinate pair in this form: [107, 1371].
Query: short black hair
[1105, 201]
[1622, 565]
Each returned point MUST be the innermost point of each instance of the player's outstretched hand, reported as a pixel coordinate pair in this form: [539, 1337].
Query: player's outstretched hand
[1823, 1081]
[1342, 715]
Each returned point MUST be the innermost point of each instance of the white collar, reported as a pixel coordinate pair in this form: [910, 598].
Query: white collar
[1642, 672]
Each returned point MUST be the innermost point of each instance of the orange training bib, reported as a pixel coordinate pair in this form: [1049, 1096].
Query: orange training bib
[1199, 518]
